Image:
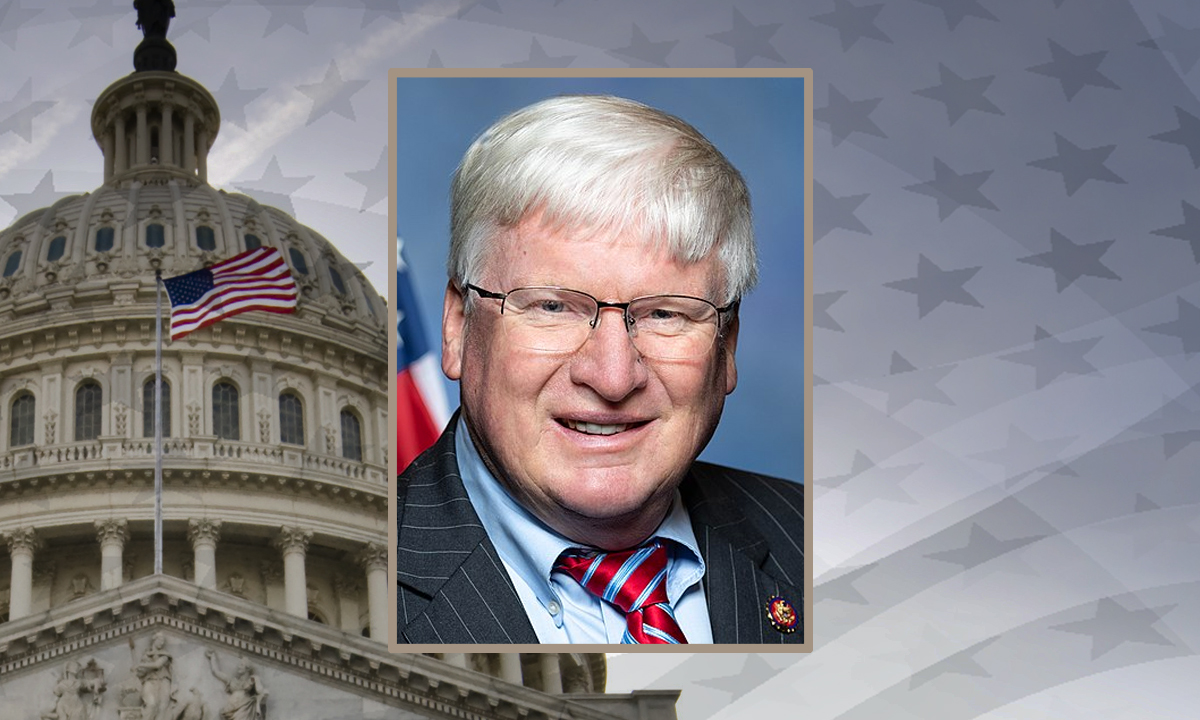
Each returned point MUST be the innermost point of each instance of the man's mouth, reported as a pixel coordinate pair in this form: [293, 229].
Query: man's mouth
[591, 428]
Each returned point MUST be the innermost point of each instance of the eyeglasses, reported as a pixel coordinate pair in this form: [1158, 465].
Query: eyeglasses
[553, 319]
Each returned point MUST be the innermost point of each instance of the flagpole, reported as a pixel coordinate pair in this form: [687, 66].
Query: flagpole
[158, 532]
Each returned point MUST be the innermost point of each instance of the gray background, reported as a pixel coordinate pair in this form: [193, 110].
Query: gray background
[1007, 440]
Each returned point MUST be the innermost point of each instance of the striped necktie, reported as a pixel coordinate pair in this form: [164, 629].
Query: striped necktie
[634, 581]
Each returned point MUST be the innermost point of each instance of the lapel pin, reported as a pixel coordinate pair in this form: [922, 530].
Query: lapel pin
[782, 614]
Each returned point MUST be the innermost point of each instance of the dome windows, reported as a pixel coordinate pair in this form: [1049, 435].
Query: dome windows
[155, 237]
[58, 246]
[351, 436]
[21, 417]
[205, 238]
[338, 284]
[298, 261]
[148, 408]
[252, 241]
[12, 264]
[104, 239]
[225, 411]
[88, 410]
[291, 419]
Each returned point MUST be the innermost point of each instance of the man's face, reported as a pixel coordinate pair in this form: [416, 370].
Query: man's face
[609, 490]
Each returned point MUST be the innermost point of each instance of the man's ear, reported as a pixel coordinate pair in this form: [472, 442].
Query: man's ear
[728, 341]
[454, 320]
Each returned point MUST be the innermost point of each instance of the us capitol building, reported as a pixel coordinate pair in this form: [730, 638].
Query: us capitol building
[273, 599]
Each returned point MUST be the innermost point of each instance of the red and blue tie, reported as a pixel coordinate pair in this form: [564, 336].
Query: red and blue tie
[635, 581]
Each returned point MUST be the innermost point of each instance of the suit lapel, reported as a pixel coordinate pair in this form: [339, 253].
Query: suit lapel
[741, 573]
[451, 584]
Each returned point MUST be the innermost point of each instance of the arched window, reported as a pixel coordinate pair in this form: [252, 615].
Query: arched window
[154, 236]
[88, 408]
[104, 239]
[336, 277]
[21, 431]
[252, 241]
[298, 261]
[148, 408]
[225, 411]
[205, 240]
[14, 262]
[351, 436]
[291, 419]
[58, 246]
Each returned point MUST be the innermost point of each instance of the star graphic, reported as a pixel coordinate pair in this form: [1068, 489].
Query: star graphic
[1114, 625]
[960, 663]
[958, 10]
[435, 60]
[466, 6]
[17, 114]
[831, 213]
[1185, 326]
[374, 180]
[196, 20]
[960, 95]
[846, 116]
[286, 12]
[538, 58]
[1187, 134]
[1051, 357]
[883, 484]
[1023, 456]
[1071, 262]
[1078, 165]
[43, 196]
[233, 100]
[1182, 43]
[749, 40]
[841, 588]
[97, 21]
[755, 671]
[1177, 425]
[952, 190]
[644, 52]
[13, 17]
[853, 22]
[859, 465]
[332, 94]
[1075, 72]
[821, 303]
[273, 188]
[1188, 231]
[905, 384]
[1174, 526]
[934, 286]
[375, 9]
[981, 547]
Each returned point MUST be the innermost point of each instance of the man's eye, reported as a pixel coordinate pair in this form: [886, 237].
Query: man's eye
[551, 306]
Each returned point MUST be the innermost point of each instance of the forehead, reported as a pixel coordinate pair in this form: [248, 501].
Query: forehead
[608, 263]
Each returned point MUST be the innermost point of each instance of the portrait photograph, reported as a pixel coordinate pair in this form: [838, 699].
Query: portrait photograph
[602, 407]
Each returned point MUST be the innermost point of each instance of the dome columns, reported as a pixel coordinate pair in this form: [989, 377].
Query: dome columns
[112, 534]
[204, 535]
[373, 560]
[293, 544]
[22, 543]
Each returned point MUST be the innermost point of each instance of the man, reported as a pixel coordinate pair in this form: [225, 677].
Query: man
[599, 249]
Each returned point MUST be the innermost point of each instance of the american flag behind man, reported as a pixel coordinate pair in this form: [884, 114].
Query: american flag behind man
[421, 411]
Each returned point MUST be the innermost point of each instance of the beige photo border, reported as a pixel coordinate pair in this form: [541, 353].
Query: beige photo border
[806, 74]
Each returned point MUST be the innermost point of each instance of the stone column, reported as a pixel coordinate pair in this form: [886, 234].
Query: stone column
[189, 142]
[142, 139]
[204, 535]
[109, 155]
[121, 154]
[551, 673]
[202, 154]
[293, 544]
[112, 534]
[166, 139]
[373, 559]
[510, 667]
[22, 543]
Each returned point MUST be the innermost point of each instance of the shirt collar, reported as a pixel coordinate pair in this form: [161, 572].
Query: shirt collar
[530, 548]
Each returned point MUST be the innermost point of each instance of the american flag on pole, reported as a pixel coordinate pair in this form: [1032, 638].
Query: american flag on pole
[421, 411]
[257, 279]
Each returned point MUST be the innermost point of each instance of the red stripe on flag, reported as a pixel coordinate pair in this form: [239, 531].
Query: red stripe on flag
[415, 427]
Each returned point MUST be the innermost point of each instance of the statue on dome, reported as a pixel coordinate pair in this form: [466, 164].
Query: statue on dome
[154, 16]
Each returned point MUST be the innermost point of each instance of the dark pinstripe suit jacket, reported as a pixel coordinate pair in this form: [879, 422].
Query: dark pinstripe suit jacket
[453, 588]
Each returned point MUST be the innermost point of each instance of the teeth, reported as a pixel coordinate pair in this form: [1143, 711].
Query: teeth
[594, 428]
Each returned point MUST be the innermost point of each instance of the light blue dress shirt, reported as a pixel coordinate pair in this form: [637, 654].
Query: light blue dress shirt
[560, 609]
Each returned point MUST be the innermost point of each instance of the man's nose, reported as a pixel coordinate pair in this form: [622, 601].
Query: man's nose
[608, 362]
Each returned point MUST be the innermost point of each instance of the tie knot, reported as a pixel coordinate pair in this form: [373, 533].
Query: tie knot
[629, 579]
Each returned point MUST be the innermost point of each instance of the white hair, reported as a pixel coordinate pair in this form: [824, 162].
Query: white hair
[604, 164]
